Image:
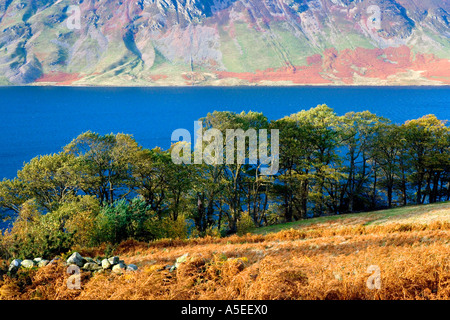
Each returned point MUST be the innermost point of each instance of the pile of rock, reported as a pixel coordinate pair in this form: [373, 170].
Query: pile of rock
[28, 264]
[89, 264]
[85, 263]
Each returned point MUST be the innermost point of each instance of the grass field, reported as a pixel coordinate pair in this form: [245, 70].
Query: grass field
[409, 214]
[324, 258]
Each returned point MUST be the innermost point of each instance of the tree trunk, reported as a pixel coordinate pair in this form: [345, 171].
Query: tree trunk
[419, 190]
[435, 190]
[389, 192]
[288, 206]
[374, 191]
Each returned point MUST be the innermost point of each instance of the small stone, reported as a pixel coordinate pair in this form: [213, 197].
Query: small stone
[119, 268]
[27, 263]
[132, 267]
[114, 260]
[91, 266]
[14, 265]
[42, 263]
[88, 259]
[98, 271]
[106, 264]
[54, 260]
[37, 260]
[181, 260]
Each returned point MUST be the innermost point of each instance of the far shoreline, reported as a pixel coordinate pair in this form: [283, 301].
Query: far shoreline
[46, 85]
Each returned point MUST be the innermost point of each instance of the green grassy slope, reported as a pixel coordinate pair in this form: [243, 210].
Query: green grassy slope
[409, 214]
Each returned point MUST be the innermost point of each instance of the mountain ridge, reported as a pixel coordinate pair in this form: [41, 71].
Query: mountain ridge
[224, 42]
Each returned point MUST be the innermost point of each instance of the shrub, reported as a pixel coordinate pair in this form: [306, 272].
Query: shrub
[245, 224]
[273, 214]
[79, 218]
[50, 244]
[124, 220]
[36, 235]
[168, 228]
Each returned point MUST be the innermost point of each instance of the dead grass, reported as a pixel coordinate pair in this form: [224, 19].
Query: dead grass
[329, 261]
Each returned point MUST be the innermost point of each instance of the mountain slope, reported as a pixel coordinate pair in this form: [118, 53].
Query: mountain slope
[224, 42]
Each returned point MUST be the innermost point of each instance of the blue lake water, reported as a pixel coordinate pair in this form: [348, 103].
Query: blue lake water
[41, 120]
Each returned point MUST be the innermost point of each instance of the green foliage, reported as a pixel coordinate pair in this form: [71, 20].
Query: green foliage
[103, 164]
[12, 195]
[50, 179]
[36, 235]
[166, 228]
[78, 217]
[124, 220]
[107, 188]
[245, 224]
[50, 244]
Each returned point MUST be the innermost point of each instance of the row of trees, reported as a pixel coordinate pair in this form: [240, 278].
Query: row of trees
[328, 164]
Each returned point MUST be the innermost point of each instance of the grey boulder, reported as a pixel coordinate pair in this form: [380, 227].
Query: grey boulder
[76, 259]
[91, 266]
[106, 264]
[42, 263]
[119, 268]
[132, 267]
[28, 264]
[15, 265]
[114, 260]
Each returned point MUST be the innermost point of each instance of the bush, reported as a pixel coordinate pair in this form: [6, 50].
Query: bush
[167, 228]
[36, 235]
[210, 231]
[124, 220]
[79, 218]
[244, 224]
[48, 246]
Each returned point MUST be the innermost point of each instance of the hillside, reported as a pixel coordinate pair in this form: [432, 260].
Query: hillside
[422, 214]
[224, 42]
[324, 258]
